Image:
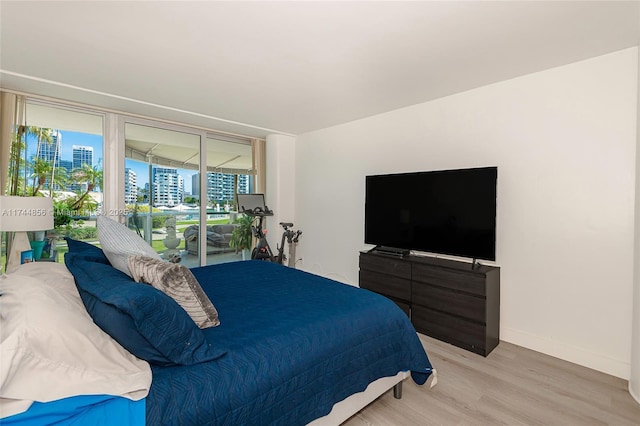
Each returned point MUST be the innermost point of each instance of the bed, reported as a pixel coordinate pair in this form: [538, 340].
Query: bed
[291, 347]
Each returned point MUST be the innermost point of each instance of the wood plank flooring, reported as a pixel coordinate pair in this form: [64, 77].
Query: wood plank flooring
[512, 386]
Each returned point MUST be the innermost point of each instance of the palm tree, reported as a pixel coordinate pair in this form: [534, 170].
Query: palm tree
[16, 162]
[90, 175]
[43, 135]
[61, 179]
[41, 170]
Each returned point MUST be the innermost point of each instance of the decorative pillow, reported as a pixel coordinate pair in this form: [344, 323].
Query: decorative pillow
[119, 242]
[143, 319]
[177, 282]
[86, 249]
[51, 349]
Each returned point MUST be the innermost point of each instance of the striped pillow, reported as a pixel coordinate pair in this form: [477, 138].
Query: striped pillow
[119, 242]
[177, 282]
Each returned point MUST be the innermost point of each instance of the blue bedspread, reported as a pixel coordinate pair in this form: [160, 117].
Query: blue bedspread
[297, 343]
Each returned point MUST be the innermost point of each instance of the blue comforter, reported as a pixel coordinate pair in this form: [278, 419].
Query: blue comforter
[297, 343]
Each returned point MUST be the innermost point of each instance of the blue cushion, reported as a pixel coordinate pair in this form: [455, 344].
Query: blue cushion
[86, 249]
[144, 320]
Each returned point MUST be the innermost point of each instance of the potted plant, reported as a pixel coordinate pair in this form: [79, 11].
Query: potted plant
[242, 235]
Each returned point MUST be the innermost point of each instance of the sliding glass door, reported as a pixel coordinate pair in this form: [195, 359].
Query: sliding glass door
[160, 166]
[180, 189]
[229, 172]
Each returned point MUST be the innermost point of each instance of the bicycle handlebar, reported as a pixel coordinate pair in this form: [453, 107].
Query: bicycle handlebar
[258, 211]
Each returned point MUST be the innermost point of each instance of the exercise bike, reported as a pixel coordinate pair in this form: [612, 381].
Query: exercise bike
[292, 238]
[262, 250]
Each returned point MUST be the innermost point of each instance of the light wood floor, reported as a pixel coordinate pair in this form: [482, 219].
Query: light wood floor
[512, 386]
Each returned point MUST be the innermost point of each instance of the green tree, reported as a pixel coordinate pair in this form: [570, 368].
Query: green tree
[16, 163]
[61, 216]
[41, 170]
[190, 200]
[43, 136]
[89, 175]
[61, 179]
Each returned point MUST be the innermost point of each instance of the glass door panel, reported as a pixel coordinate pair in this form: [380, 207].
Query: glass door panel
[229, 172]
[64, 157]
[163, 206]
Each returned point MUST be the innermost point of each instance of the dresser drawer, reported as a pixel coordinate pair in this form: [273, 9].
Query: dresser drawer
[457, 331]
[385, 265]
[450, 278]
[456, 303]
[388, 285]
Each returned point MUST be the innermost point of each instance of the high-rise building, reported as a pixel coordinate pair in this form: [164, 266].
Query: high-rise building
[220, 186]
[130, 186]
[168, 187]
[243, 184]
[82, 155]
[67, 165]
[51, 151]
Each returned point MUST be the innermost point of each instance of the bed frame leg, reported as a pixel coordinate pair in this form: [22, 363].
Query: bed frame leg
[397, 391]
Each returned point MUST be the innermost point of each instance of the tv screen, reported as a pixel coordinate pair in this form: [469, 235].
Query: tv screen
[449, 212]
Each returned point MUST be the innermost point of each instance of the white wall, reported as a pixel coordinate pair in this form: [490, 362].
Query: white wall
[280, 192]
[564, 142]
[634, 381]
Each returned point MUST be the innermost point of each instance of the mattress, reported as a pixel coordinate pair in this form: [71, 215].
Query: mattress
[296, 344]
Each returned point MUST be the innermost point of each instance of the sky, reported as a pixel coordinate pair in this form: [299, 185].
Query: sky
[70, 138]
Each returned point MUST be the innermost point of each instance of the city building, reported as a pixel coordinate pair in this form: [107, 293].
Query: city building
[168, 187]
[81, 155]
[67, 165]
[220, 186]
[130, 186]
[51, 151]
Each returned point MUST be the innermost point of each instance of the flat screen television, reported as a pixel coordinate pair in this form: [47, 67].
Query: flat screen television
[450, 212]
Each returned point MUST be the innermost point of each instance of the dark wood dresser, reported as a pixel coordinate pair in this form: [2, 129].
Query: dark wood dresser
[445, 299]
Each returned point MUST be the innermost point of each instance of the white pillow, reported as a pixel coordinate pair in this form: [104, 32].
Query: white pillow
[51, 349]
[119, 242]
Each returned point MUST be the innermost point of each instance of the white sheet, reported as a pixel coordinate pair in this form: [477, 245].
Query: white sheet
[50, 347]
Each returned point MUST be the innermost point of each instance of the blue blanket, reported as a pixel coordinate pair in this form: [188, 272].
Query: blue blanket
[297, 343]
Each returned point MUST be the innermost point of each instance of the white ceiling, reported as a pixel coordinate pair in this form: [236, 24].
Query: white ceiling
[257, 68]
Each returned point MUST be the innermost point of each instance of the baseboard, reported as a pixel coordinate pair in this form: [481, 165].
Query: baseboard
[633, 394]
[573, 354]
